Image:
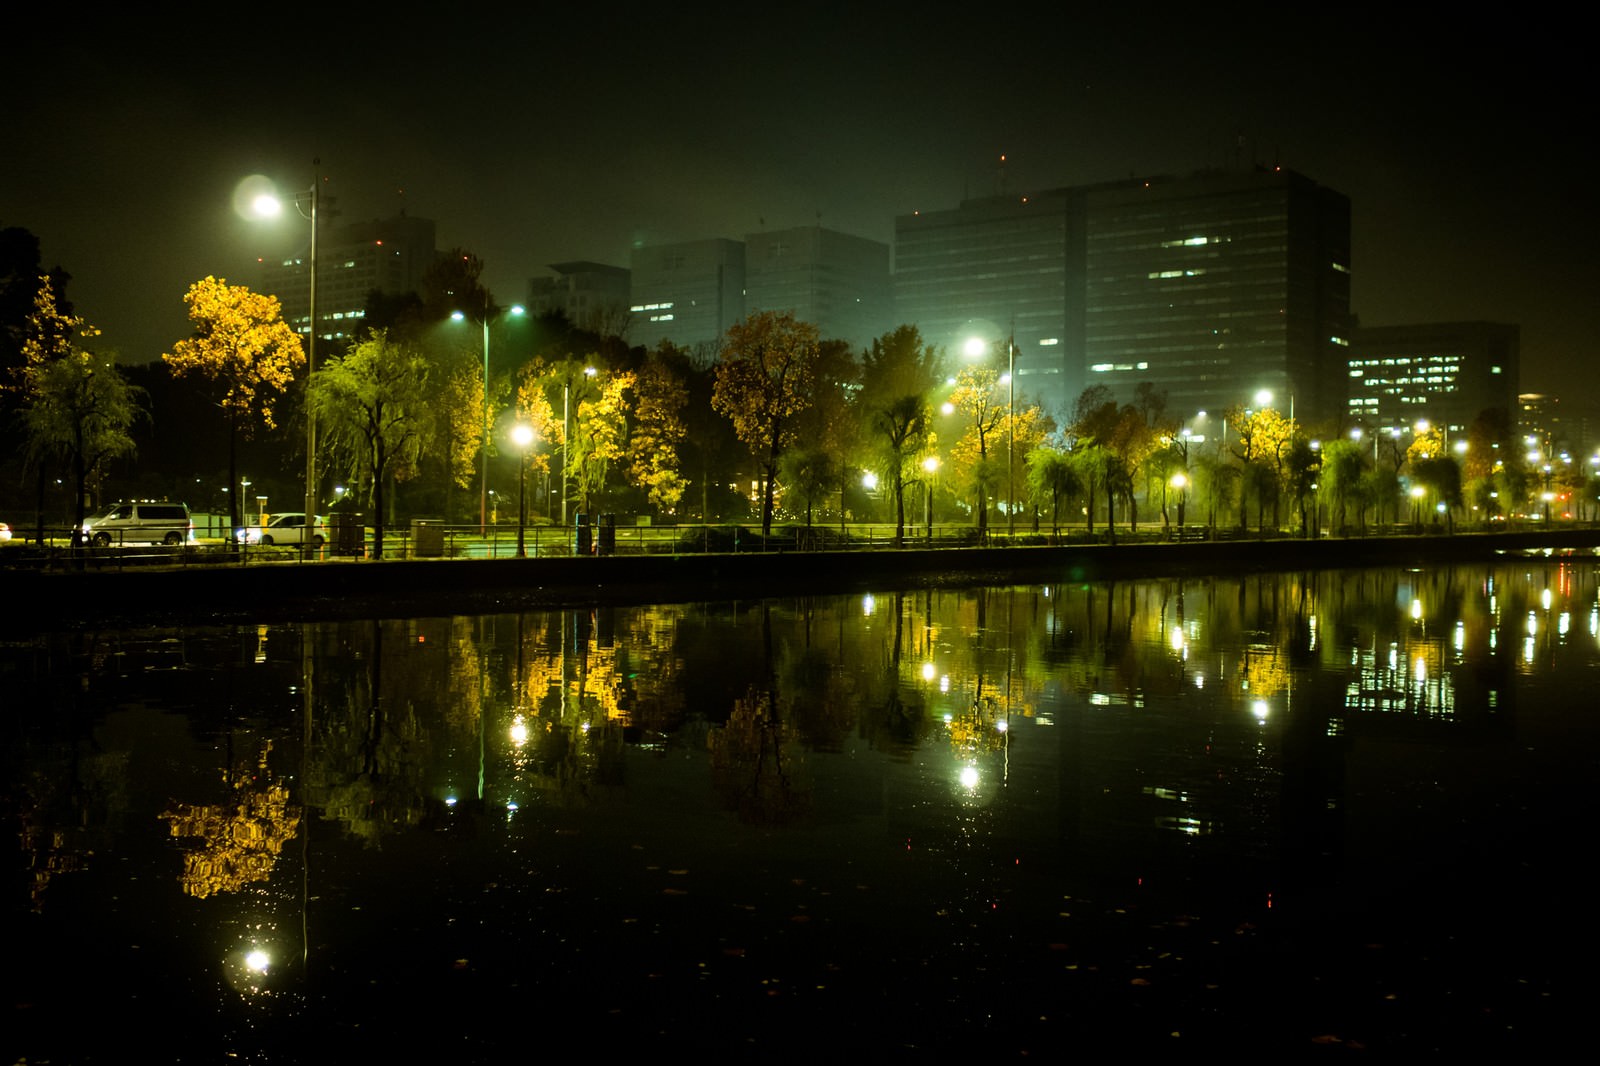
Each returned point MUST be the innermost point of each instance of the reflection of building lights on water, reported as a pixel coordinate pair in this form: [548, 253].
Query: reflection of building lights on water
[948, 718]
[1177, 638]
[969, 777]
[867, 604]
[450, 800]
[944, 683]
[1416, 608]
[1259, 709]
[1533, 624]
[927, 671]
[1421, 669]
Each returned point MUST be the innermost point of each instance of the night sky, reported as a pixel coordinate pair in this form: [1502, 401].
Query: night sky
[532, 138]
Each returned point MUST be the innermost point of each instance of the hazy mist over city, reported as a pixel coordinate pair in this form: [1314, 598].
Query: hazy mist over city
[537, 137]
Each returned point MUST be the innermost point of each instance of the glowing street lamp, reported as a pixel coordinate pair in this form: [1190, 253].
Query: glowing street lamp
[267, 205]
[483, 490]
[522, 436]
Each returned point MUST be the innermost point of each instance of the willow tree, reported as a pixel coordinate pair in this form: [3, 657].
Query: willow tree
[764, 378]
[243, 347]
[373, 404]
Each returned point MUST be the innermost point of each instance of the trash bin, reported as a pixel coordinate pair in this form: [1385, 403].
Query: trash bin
[582, 543]
[348, 532]
[427, 538]
[607, 535]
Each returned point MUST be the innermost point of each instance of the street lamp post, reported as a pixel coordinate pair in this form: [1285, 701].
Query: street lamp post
[522, 436]
[566, 435]
[931, 466]
[483, 485]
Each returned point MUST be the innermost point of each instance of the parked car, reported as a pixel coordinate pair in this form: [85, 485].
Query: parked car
[288, 528]
[141, 522]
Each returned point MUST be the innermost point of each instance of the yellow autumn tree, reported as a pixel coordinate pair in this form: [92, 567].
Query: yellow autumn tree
[976, 397]
[654, 458]
[243, 347]
[600, 434]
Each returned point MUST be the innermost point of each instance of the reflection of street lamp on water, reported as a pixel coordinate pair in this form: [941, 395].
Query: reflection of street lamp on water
[522, 436]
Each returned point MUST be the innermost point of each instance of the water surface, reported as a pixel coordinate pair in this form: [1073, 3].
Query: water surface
[1283, 814]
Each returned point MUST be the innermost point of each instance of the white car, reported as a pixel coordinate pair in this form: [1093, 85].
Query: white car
[287, 528]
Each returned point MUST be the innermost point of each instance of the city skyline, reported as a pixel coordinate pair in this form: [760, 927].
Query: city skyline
[538, 139]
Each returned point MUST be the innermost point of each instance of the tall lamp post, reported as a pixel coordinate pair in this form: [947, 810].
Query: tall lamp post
[483, 484]
[566, 435]
[931, 466]
[522, 436]
[267, 205]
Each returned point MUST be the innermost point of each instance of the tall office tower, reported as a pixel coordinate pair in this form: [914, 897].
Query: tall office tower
[1446, 372]
[835, 281]
[1003, 271]
[592, 296]
[687, 293]
[389, 256]
[1215, 287]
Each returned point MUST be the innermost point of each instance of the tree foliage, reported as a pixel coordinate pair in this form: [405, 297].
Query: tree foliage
[78, 408]
[373, 404]
[766, 377]
[655, 459]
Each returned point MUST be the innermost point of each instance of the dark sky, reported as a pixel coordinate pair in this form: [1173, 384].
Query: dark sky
[534, 137]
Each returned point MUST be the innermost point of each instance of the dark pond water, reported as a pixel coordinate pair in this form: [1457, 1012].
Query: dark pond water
[1281, 815]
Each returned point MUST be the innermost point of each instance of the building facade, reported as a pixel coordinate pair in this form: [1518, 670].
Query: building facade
[837, 282]
[1447, 373]
[687, 294]
[1213, 288]
[592, 296]
[388, 256]
[1005, 271]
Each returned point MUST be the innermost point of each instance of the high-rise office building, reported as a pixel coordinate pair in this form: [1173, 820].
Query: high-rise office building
[389, 256]
[687, 293]
[1005, 271]
[1215, 287]
[1446, 372]
[1208, 289]
[837, 282]
[592, 296]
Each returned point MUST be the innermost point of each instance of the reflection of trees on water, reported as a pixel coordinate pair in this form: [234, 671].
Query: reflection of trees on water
[757, 764]
[240, 841]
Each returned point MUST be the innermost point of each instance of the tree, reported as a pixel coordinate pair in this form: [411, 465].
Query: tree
[244, 348]
[373, 403]
[764, 378]
[898, 372]
[78, 408]
[600, 435]
[1052, 478]
[654, 460]
[975, 397]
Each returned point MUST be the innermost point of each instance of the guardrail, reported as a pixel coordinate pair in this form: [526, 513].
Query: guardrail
[438, 541]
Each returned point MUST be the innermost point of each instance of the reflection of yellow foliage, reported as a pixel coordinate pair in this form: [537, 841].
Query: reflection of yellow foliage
[240, 842]
[1264, 672]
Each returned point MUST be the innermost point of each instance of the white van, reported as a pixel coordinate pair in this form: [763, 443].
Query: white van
[141, 522]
